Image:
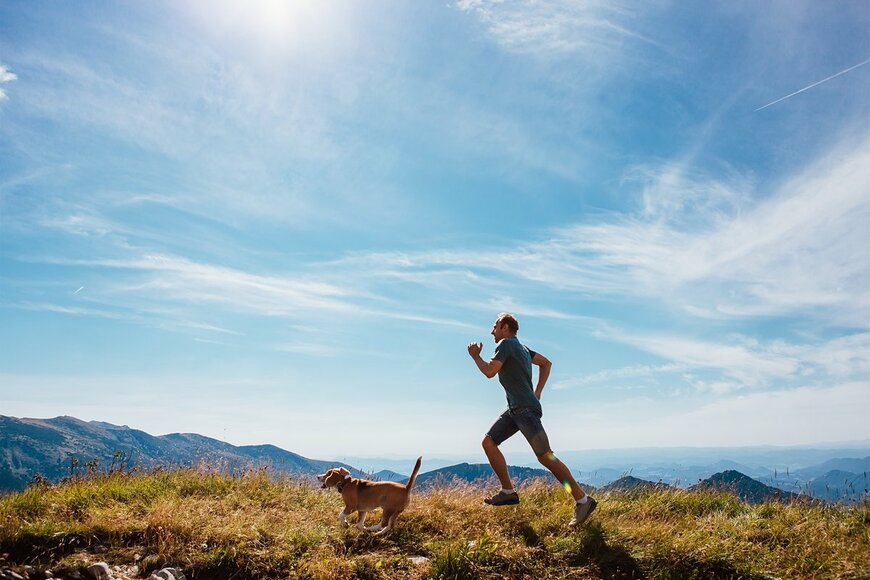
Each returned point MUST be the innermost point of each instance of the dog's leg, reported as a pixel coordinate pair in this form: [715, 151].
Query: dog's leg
[342, 517]
[379, 525]
[386, 523]
[361, 522]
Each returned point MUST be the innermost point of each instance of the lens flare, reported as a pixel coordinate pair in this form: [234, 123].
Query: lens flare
[567, 486]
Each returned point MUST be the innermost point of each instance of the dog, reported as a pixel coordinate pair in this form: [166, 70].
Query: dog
[361, 495]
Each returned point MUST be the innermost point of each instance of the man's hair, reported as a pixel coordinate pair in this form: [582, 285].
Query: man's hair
[510, 320]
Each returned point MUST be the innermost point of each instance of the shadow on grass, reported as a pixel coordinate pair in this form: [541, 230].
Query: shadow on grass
[617, 562]
[31, 548]
[612, 561]
[704, 570]
[529, 535]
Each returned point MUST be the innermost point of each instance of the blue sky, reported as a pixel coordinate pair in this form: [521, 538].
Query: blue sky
[283, 222]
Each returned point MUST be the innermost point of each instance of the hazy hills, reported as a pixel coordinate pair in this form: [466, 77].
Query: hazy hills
[477, 472]
[744, 487]
[56, 447]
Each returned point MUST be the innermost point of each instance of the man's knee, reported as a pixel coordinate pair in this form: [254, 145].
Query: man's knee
[547, 458]
[488, 442]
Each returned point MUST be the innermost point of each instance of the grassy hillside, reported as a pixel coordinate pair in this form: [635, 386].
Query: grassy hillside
[217, 526]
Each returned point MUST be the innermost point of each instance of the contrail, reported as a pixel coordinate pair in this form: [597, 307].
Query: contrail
[842, 72]
[79, 290]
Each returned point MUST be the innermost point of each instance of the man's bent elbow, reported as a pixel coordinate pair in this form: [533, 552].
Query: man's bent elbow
[488, 371]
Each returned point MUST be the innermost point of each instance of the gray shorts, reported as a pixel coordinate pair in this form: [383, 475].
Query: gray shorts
[526, 420]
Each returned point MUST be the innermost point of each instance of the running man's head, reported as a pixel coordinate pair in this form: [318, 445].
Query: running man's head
[505, 326]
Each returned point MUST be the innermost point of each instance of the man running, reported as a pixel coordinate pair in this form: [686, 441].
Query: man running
[512, 362]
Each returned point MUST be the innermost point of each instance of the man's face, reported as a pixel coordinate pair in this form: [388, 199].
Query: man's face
[500, 331]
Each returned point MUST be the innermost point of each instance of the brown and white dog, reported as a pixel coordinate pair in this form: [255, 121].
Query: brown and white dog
[363, 496]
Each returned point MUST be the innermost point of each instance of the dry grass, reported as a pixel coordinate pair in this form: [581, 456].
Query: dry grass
[255, 526]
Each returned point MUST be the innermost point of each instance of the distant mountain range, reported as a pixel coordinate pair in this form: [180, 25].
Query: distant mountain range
[833, 485]
[684, 466]
[58, 447]
[743, 486]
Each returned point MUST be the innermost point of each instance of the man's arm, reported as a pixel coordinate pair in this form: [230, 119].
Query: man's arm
[544, 366]
[489, 369]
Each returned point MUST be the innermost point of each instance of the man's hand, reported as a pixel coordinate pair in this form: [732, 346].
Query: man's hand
[491, 368]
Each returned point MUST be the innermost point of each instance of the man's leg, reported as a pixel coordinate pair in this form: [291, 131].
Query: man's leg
[562, 473]
[584, 505]
[533, 430]
[497, 461]
[501, 430]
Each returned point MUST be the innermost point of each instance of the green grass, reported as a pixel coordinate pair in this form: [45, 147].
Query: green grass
[254, 526]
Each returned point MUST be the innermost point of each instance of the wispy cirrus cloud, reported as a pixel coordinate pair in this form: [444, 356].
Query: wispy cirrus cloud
[592, 27]
[237, 115]
[801, 248]
[71, 310]
[608, 377]
[798, 248]
[173, 278]
[156, 317]
[5, 76]
[168, 291]
[741, 362]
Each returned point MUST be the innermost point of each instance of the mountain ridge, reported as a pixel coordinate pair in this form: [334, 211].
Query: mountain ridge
[65, 445]
[60, 446]
[744, 487]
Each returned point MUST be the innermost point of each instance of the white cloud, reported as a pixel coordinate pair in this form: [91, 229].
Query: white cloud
[590, 27]
[746, 361]
[200, 103]
[841, 357]
[675, 194]
[72, 310]
[179, 279]
[5, 76]
[607, 377]
[801, 248]
[742, 362]
[167, 291]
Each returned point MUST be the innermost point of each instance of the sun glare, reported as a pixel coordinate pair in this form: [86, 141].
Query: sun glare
[273, 28]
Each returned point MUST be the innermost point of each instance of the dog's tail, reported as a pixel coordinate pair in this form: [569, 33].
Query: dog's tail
[414, 474]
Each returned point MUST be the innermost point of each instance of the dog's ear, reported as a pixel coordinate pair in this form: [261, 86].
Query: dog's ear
[343, 471]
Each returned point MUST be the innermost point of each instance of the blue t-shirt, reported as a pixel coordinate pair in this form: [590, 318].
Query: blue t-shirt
[515, 374]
